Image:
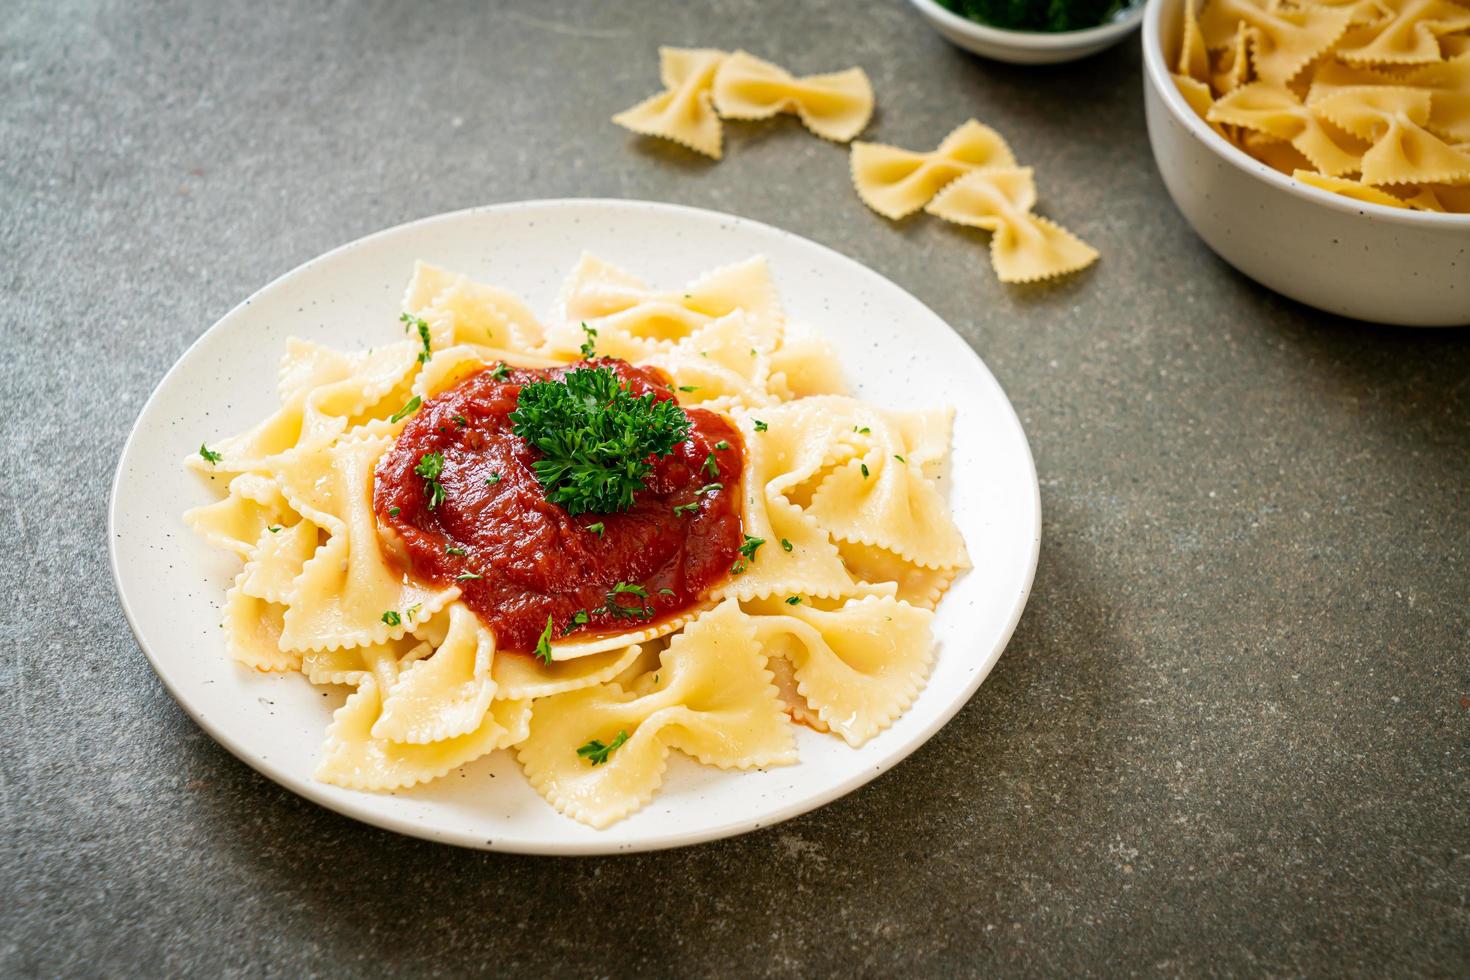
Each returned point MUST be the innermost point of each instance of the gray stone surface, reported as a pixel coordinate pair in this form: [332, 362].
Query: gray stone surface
[1229, 737]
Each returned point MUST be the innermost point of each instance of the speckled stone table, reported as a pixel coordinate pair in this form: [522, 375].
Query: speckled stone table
[1230, 736]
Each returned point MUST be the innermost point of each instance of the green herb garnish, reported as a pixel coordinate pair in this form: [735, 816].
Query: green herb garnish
[738, 568]
[709, 489]
[394, 511]
[793, 600]
[689, 508]
[492, 479]
[274, 529]
[589, 346]
[450, 549]
[750, 546]
[466, 576]
[580, 618]
[616, 609]
[409, 407]
[209, 455]
[461, 420]
[864, 467]
[900, 458]
[596, 753]
[543, 644]
[711, 465]
[689, 387]
[597, 528]
[722, 444]
[596, 438]
[759, 425]
[501, 371]
[392, 618]
[430, 466]
[423, 328]
[785, 545]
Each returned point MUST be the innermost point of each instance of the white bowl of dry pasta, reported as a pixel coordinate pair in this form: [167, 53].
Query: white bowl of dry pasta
[1324, 151]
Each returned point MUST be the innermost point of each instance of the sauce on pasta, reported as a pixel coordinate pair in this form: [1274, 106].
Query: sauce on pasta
[519, 558]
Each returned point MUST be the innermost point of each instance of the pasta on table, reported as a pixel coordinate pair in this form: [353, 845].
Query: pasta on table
[653, 522]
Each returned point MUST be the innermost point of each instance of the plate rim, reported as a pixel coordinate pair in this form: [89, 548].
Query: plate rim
[363, 813]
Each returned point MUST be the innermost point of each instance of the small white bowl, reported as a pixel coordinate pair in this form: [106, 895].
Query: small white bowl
[1367, 261]
[1028, 47]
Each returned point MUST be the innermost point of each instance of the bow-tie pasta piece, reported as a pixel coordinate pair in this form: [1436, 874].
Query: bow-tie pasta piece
[253, 504]
[1283, 40]
[1023, 247]
[873, 567]
[628, 319]
[805, 364]
[345, 590]
[683, 111]
[713, 699]
[1276, 111]
[881, 498]
[897, 182]
[1231, 67]
[1444, 198]
[349, 665]
[253, 631]
[1199, 97]
[518, 676]
[447, 694]
[1194, 54]
[785, 446]
[278, 557]
[858, 666]
[1350, 188]
[1410, 36]
[462, 311]
[355, 758]
[723, 365]
[1449, 100]
[1393, 119]
[835, 106]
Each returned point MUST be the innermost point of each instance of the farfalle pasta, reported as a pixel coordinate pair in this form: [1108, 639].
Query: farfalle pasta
[702, 85]
[1369, 99]
[364, 574]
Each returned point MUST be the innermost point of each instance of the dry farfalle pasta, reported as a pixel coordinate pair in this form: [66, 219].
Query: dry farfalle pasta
[703, 84]
[972, 179]
[1369, 99]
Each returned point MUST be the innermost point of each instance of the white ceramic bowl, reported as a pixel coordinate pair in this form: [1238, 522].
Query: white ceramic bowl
[1367, 261]
[1028, 47]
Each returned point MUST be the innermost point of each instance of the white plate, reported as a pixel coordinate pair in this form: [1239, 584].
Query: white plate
[895, 351]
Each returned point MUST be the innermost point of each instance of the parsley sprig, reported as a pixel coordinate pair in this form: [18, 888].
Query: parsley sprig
[209, 455]
[595, 437]
[409, 320]
[596, 753]
[430, 467]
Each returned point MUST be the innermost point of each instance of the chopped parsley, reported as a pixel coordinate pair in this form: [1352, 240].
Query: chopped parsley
[597, 528]
[209, 455]
[450, 549]
[785, 545]
[596, 753]
[595, 437]
[709, 489]
[864, 467]
[613, 607]
[689, 508]
[581, 618]
[394, 511]
[422, 326]
[501, 371]
[722, 444]
[750, 546]
[793, 600]
[689, 387]
[543, 644]
[274, 529]
[665, 591]
[466, 576]
[409, 407]
[492, 479]
[864, 430]
[589, 346]
[461, 420]
[759, 425]
[900, 458]
[430, 467]
[738, 568]
[392, 618]
[711, 465]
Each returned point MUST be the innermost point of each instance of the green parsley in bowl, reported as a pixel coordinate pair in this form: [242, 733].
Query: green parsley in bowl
[1032, 32]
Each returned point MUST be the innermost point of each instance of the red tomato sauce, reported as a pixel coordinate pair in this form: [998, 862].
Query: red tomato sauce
[533, 559]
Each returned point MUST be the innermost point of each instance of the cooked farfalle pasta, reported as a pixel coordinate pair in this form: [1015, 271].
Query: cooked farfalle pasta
[1023, 246]
[683, 112]
[1369, 99]
[835, 106]
[825, 620]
